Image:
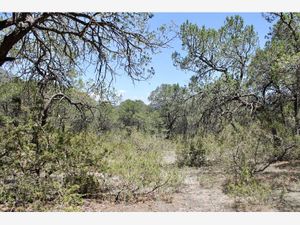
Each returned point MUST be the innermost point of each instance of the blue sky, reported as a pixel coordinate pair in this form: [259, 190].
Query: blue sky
[165, 72]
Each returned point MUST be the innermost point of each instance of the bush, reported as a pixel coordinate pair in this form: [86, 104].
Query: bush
[251, 148]
[67, 167]
[193, 154]
[137, 167]
[43, 174]
[247, 192]
[85, 161]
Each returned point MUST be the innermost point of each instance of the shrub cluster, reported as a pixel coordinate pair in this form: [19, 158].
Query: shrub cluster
[67, 167]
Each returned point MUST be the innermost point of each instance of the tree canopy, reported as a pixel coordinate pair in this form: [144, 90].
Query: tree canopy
[54, 46]
[64, 138]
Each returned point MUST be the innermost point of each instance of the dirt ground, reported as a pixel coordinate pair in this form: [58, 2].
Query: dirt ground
[192, 196]
[202, 191]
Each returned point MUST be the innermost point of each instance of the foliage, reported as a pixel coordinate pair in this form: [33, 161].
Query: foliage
[253, 191]
[137, 166]
[75, 166]
[133, 114]
[29, 176]
[168, 100]
[193, 153]
[106, 41]
[64, 139]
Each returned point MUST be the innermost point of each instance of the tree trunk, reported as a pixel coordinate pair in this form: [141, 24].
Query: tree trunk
[297, 103]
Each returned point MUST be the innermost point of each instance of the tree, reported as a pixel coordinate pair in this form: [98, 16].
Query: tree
[106, 116]
[50, 46]
[275, 71]
[53, 49]
[236, 81]
[169, 99]
[219, 59]
[134, 113]
[222, 54]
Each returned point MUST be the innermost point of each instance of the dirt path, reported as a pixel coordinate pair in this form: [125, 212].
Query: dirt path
[201, 191]
[193, 196]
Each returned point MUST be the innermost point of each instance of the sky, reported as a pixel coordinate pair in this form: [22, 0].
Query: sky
[165, 71]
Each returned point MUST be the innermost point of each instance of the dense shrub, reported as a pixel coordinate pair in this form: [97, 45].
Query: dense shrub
[238, 148]
[41, 167]
[137, 167]
[69, 167]
[193, 153]
[243, 152]
[247, 191]
[253, 148]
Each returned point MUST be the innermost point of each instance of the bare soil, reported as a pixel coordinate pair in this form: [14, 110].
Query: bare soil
[202, 191]
[191, 196]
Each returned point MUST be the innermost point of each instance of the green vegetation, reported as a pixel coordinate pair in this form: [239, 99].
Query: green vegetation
[64, 139]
